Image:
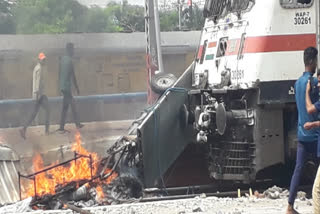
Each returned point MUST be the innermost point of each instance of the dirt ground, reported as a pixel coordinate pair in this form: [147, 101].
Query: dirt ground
[96, 137]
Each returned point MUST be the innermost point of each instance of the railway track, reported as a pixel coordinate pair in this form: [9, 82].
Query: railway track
[212, 191]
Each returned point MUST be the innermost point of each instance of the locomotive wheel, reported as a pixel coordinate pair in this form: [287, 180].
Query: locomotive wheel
[162, 81]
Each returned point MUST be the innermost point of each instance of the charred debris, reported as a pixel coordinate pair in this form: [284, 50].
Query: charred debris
[116, 180]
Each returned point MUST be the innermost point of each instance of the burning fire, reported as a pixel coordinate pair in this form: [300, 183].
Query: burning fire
[76, 170]
[99, 191]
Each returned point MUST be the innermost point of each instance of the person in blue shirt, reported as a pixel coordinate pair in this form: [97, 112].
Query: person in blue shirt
[307, 139]
[311, 109]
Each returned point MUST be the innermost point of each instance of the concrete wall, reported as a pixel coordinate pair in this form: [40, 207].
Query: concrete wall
[104, 63]
[14, 113]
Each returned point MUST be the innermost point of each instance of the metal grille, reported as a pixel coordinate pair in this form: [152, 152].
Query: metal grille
[231, 160]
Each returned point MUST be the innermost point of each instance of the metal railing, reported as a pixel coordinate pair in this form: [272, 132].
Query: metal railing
[33, 175]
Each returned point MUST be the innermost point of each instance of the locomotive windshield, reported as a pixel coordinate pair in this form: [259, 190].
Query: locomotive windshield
[219, 8]
[296, 3]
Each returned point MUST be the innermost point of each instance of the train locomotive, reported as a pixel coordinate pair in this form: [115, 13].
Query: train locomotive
[237, 97]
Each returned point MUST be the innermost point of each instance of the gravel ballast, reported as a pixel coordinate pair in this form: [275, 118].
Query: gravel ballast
[202, 204]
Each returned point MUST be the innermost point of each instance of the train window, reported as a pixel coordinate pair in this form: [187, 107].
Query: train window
[296, 3]
[219, 8]
[222, 47]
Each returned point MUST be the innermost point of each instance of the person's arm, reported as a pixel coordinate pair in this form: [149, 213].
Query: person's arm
[315, 124]
[36, 82]
[59, 77]
[311, 125]
[310, 107]
[74, 79]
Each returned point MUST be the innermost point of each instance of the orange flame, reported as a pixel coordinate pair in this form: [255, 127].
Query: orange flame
[77, 170]
[111, 177]
[100, 193]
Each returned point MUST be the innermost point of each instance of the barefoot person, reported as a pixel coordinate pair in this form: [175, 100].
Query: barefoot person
[38, 94]
[307, 139]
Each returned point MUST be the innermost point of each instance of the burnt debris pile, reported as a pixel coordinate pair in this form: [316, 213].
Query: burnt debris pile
[86, 180]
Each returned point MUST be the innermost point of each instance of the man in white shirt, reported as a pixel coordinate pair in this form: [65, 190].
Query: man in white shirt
[38, 94]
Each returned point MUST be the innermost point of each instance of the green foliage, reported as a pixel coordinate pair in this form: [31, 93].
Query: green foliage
[192, 19]
[49, 16]
[4, 7]
[98, 21]
[68, 16]
[169, 20]
[7, 25]
[198, 19]
[130, 18]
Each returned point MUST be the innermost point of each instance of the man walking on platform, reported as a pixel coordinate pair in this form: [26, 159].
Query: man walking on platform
[67, 79]
[41, 99]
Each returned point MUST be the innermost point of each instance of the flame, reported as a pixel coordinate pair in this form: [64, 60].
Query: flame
[99, 191]
[111, 177]
[77, 170]
[43, 185]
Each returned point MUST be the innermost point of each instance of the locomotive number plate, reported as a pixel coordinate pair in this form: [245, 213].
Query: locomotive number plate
[302, 18]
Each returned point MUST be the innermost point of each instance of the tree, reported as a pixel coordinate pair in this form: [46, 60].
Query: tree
[7, 25]
[61, 16]
[5, 8]
[130, 18]
[99, 20]
[169, 20]
[49, 16]
[68, 16]
[198, 19]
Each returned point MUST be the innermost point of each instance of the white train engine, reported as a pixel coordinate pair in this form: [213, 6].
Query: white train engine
[242, 96]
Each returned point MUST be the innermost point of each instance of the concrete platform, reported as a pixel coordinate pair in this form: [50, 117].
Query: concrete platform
[96, 137]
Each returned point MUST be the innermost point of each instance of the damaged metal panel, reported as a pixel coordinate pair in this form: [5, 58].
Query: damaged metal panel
[9, 167]
[185, 80]
[164, 133]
